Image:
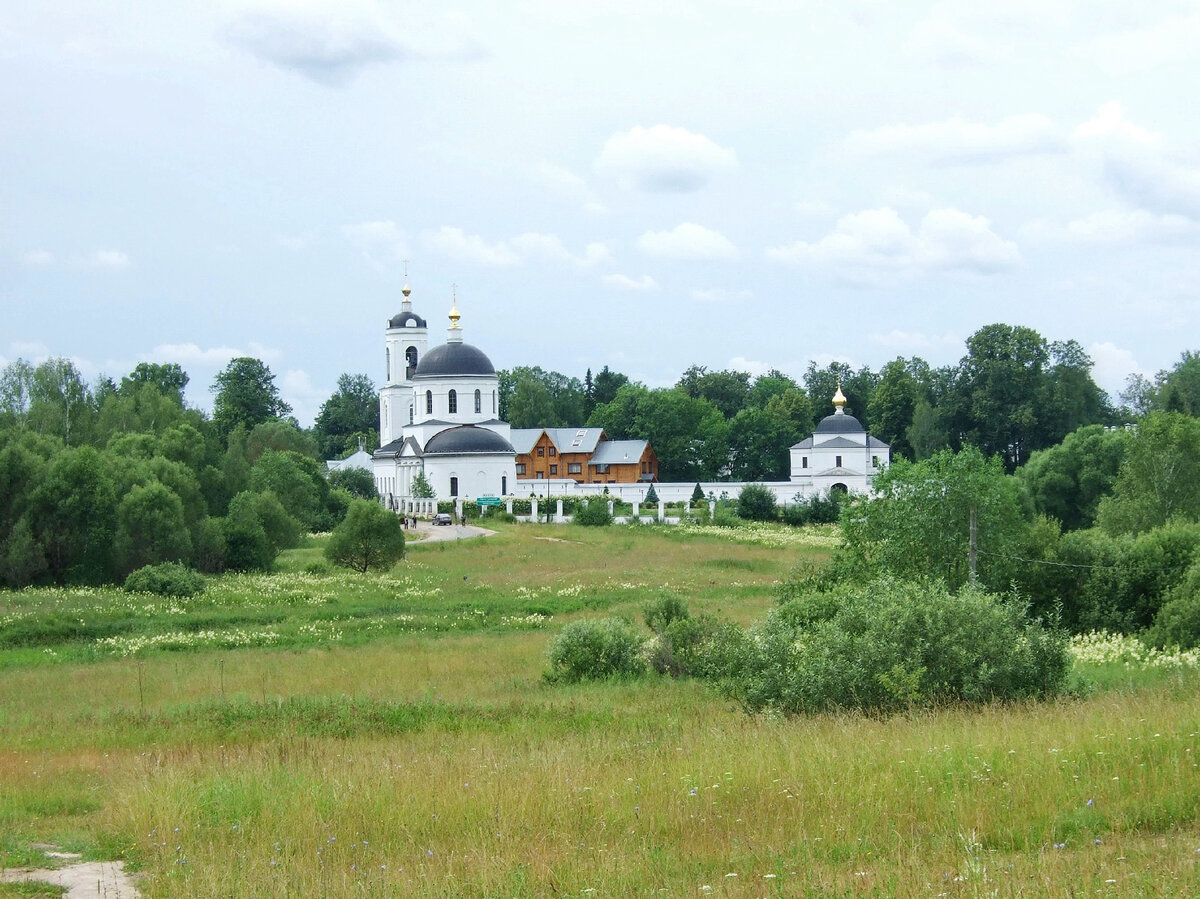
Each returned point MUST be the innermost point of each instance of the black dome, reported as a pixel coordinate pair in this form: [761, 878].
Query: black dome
[402, 320]
[840, 424]
[467, 439]
[454, 359]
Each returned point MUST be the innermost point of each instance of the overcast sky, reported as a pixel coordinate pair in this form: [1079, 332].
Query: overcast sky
[644, 185]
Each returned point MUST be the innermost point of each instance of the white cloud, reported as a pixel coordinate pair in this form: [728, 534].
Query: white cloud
[624, 282]
[564, 183]
[663, 159]
[1110, 122]
[958, 140]
[329, 47]
[38, 258]
[1112, 365]
[457, 244]
[755, 367]
[866, 245]
[548, 246]
[687, 241]
[111, 259]
[1116, 226]
[33, 350]
[298, 391]
[213, 357]
[380, 242]
[721, 295]
[915, 341]
[1155, 182]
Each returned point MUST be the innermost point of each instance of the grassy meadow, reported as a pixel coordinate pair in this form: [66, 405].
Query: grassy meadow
[317, 733]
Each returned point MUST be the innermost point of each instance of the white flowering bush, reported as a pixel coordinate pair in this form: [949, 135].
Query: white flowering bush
[761, 534]
[1105, 648]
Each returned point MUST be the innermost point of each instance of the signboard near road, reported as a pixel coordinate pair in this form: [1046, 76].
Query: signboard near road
[488, 500]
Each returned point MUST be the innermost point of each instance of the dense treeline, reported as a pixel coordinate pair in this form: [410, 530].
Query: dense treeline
[1012, 393]
[97, 481]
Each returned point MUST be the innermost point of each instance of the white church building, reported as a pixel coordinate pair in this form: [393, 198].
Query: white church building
[840, 455]
[438, 418]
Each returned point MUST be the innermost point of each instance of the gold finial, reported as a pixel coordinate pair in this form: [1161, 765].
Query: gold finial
[454, 313]
[406, 290]
[839, 399]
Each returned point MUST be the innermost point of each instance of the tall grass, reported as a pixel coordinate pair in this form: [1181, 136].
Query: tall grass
[437, 763]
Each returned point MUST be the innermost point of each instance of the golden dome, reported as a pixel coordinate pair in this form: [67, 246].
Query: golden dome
[839, 398]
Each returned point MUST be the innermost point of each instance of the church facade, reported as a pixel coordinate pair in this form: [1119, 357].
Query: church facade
[840, 455]
[438, 417]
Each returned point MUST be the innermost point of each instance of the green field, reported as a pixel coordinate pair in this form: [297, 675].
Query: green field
[314, 733]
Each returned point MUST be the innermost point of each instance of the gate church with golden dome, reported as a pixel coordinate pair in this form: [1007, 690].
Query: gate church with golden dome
[438, 417]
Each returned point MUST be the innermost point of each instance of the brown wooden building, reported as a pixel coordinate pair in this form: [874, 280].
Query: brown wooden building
[584, 455]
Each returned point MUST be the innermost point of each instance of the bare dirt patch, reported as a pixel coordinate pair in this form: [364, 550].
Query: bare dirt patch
[107, 880]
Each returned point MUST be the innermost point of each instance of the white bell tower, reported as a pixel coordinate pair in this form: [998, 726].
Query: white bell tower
[407, 339]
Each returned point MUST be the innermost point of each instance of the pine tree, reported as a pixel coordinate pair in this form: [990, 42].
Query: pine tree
[651, 496]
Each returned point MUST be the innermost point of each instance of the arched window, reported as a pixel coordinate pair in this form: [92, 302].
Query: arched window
[493, 402]
[428, 402]
[388, 351]
[454, 486]
[410, 360]
[410, 413]
[453, 401]
[478, 402]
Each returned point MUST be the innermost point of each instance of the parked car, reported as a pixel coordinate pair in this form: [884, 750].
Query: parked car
[443, 518]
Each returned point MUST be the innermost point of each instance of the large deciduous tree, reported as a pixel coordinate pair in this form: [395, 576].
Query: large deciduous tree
[245, 394]
[168, 377]
[727, 390]
[1160, 477]
[918, 522]
[1067, 481]
[998, 391]
[351, 414]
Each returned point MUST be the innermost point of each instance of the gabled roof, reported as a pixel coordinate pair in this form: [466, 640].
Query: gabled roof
[837, 473]
[523, 439]
[619, 452]
[358, 459]
[396, 447]
[576, 440]
[839, 443]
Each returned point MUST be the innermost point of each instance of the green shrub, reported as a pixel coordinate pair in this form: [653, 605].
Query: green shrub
[691, 646]
[756, 502]
[333, 510]
[209, 541]
[1178, 621]
[369, 537]
[247, 546]
[594, 649]
[593, 513]
[821, 509]
[661, 612]
[894, 644]
[167, 579]
[356, 481]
